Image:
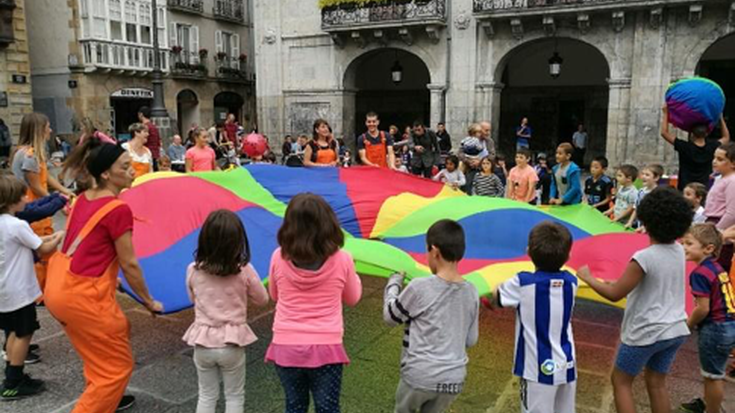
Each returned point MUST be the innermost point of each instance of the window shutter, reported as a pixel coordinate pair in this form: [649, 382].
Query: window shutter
[194, 43]
[218, 41]
[173, 35]
[235, 47]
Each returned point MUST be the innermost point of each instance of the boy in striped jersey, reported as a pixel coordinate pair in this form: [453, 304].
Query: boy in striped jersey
[440, 314]
[544, 301]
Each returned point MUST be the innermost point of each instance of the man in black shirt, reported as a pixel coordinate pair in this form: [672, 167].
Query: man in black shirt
[445, 141]
[696, 154]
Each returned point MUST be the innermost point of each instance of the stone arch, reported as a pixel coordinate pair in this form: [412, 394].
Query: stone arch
[695, 53]
[359, 55]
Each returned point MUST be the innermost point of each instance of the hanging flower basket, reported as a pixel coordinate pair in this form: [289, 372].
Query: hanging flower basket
[203, 53]
[177, 49]
[243, 57]
[221, 56]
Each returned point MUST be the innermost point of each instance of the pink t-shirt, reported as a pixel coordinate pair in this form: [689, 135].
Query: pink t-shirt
[202, 159]
[221, 307]
[721, 202]
[519, 181]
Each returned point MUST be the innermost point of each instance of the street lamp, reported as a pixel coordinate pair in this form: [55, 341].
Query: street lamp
[158, 109]
[555, 65]
[396, 73]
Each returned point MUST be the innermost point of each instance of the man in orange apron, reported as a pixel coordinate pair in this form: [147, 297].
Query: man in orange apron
[376, 147]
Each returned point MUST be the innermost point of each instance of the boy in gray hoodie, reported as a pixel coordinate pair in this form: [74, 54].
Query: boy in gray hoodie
[440, 314]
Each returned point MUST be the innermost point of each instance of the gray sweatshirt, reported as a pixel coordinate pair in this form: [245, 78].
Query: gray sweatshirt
[440, 320]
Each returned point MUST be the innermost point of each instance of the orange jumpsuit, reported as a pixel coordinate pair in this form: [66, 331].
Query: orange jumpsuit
[376, 153]
[92, 319]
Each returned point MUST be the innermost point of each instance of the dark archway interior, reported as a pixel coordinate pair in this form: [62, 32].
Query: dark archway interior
[555, 107]
[397, 104]
[186, 103]
[718, 64]
[227, 102]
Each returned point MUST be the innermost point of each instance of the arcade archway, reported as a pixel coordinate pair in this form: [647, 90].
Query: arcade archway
[555, 106]
[187, 103]
[227, 102]
[370, 77]
[718, 64]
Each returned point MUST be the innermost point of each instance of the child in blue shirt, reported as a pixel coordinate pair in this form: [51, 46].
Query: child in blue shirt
[544, 301]
[566, 188]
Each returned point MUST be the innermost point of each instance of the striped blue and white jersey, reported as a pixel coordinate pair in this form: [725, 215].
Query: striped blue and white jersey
[544, 303]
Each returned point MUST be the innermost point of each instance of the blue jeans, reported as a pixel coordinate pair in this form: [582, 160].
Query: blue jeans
[715, 342]
[657, 357]
[324, 383]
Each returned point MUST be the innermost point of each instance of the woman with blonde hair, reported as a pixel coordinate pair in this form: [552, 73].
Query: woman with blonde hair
[29, 165]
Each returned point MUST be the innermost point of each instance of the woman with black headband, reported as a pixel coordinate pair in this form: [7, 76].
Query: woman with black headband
[80, 292]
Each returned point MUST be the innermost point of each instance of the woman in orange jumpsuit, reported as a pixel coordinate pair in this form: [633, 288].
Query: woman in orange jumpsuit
[29, 165]
[82, 283]
[322, 150]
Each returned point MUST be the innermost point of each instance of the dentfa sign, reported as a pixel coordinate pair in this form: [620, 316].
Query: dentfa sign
[133, 93]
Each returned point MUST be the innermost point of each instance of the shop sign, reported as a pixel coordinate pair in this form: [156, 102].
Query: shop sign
[133, 93]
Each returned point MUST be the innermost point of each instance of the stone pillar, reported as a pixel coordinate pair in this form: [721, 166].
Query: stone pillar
[349, 123]
[618, 119]
[437, 103]
[489, 108]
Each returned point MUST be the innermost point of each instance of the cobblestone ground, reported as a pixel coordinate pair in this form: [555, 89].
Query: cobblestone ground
[165, 377]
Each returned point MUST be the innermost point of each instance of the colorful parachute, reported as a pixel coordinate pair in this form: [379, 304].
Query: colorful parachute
[695, 101]
[385, 215]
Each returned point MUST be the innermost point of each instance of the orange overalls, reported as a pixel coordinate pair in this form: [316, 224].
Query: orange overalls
[92, 319]
[323, 156]
[43, 227]
[376, 153]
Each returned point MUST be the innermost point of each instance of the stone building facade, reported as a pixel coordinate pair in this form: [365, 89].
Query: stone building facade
[15, 81]
[463, 61]
[95, 59]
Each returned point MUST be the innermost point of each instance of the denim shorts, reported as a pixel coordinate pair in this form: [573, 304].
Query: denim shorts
[658, 356]
[716, 340]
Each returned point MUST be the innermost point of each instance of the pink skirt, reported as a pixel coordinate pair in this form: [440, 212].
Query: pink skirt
[306, 356]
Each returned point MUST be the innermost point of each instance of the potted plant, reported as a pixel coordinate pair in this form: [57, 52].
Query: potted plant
[243, 57]
[221, 55]
[176, 49]
[203, 53]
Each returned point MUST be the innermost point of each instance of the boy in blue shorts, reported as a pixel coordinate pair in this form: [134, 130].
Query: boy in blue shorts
[544, 301]
[713, 315]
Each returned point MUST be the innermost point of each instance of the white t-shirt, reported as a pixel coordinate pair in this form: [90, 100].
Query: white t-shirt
[18, 283]
[656, 307]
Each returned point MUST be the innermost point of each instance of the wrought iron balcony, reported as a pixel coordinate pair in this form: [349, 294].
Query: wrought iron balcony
[514, 7]
[379, 15]
[106, 55]
[230, 10]
[188, 65]
[189, 6]
[231, 69]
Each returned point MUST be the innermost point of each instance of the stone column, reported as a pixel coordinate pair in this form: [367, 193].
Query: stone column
[489, 108]
[437, 103]
[618, 119]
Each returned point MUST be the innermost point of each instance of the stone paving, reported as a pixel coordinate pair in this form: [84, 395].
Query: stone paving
[165, 378]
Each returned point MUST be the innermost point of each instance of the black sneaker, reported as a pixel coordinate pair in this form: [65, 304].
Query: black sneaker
[126, 402]
[31, 358]
[694, 406]
[27, 387]
[34, 347]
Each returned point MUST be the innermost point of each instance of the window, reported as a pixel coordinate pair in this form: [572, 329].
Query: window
[99, 22]
[115, 20]
[187, 37]
[229, 44]
[146, 36]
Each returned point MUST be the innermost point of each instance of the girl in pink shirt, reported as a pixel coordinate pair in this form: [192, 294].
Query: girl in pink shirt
[310, 278]
[522, 179]
[201, 157]
[220, 281]
[720, 208]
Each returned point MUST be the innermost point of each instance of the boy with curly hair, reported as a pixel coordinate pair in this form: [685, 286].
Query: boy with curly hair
[655, 320]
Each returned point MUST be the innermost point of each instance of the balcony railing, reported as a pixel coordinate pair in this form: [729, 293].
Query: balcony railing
[191, 6]
[116, 56]
[499, 6]
[186, 64]
[231, 68]
[231, 10]
[384, 14]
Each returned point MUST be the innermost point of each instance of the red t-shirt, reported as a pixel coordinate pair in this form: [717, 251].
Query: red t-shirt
[154, 140]
[97, 251]
[231, 129]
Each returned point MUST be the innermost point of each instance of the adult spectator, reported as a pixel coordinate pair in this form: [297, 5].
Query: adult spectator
[141, 158]
[487, 140]
[231, 128]
[425, 146]
[579, 140]
[89, 129]
[177, 154]
[445, 141]
[322, 149]
[523, 135]
[30, 166]
[695, 154]
[81, 291]
[376, 147]
[287, 148]
[6, 140]
[154, 137]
